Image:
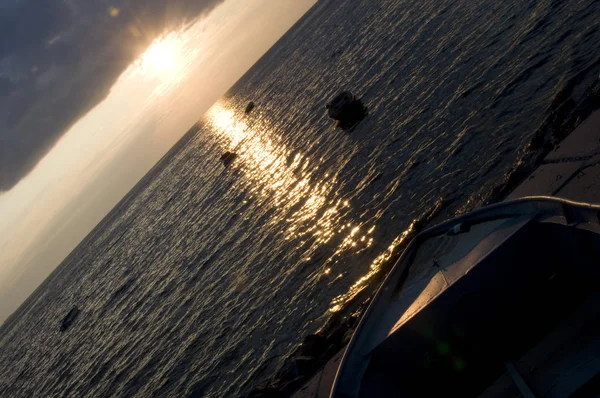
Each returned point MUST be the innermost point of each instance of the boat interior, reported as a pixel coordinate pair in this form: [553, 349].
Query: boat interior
[508, 307]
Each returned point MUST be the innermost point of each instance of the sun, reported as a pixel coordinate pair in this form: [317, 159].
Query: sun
[160, 58]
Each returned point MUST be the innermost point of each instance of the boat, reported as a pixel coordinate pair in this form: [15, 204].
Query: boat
[69, 318]
[249, 107]
[346, 109]
[500, 302]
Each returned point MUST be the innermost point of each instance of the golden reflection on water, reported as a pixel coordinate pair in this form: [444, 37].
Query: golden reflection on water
[288, 183]
[374, 269]
[285, 181]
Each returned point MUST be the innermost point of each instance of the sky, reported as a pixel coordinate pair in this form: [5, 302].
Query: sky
[92, 95]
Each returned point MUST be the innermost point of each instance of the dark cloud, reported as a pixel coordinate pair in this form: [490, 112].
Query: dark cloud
[60, 58]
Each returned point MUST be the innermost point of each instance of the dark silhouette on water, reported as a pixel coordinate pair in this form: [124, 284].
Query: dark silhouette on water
[69, 318]
[346, 109]
[227, 158]
[249, 107]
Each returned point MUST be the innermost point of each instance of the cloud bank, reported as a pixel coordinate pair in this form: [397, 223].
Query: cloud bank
[59, 58]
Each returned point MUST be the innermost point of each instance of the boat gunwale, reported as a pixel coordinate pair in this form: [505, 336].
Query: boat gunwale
[534, 206]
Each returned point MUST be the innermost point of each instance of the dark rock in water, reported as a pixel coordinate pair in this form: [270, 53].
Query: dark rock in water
[306, 365]
[336, 336]
[249, 107]
[227, 158]
[296, 366]
[69, 318]
[346, 109]
[313, 345]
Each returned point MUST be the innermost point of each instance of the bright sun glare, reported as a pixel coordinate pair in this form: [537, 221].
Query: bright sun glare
[160, 57]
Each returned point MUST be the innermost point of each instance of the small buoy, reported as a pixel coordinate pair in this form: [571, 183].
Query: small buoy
[227, 158]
